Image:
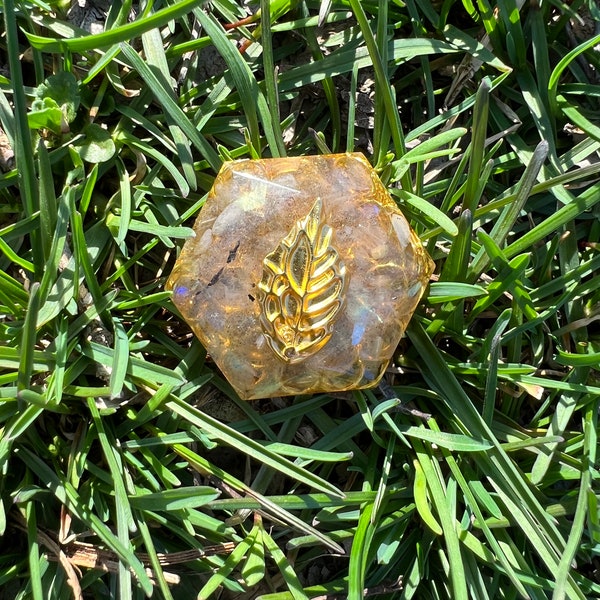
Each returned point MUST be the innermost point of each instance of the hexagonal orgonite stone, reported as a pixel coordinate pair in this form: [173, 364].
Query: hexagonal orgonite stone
[302, 276]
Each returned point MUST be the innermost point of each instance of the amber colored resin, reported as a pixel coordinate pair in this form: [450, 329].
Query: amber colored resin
[302, 276]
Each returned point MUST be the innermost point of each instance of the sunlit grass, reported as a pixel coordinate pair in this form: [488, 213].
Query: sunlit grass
[482, 123]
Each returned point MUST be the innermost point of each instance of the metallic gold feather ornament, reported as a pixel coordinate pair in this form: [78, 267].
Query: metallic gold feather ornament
[302, 289]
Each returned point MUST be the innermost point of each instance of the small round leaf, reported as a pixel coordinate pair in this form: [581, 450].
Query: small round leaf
[98, 145]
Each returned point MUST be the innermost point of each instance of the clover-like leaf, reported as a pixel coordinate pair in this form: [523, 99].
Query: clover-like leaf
[98, 145]
[46, 114]
[64, 90]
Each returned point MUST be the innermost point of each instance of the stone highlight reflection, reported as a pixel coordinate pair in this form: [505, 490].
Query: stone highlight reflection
[302, 276]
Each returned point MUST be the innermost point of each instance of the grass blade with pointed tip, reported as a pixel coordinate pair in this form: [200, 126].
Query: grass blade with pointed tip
[116, 35]
[170, 106]
[506, 221]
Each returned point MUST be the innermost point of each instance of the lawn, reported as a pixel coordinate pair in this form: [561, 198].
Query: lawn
[130, 468]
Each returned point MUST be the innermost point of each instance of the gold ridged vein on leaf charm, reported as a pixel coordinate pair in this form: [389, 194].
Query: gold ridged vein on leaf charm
[302, 289]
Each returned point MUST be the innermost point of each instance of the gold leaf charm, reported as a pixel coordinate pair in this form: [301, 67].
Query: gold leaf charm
[302, 289]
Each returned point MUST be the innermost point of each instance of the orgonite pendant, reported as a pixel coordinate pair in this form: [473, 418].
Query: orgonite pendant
[302, 276]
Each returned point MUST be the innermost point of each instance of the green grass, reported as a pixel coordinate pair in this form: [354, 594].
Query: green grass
[117, 138]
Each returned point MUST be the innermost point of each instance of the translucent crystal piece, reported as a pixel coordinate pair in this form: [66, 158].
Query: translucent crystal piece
[302, 276]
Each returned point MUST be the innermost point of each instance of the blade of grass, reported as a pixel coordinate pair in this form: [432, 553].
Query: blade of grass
[137, 368]
[272, 96]
[28, 339]
[422, 500]
[563, 63]
[565, 407]
[506, 221]
[439, 500]
[477, 147]
[328, 88]
[115, 465]
[116, 35]
[124, 202]
[176, 499]
[344, 59]
[15, 427]
[548, 543]
[154, 560]
[534, 532]
[35, 570]
[230, 564]
[233, 438]
[120, 359]
[285, 568]
[157, 61]
[563, 574]
[23, 147]
[359, 554]
[51, 268]
[124, 515]
[586, 200]
[66, 494]
[171, 107]
[253, 571]
[81, 252]
[499, 554]
[270, 508]
[253, 101]
[48, 205]
[393, 116]
[381, 129]
[352, 110]
[56, 382]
